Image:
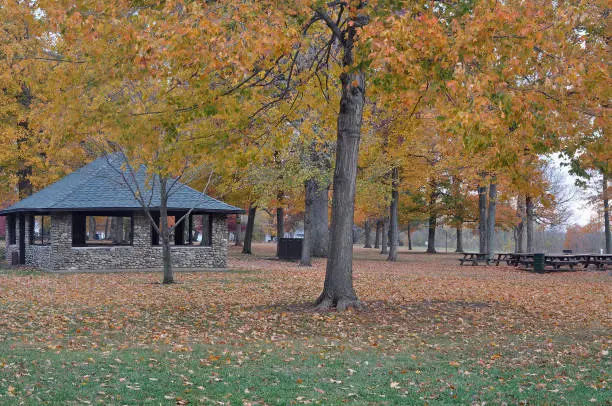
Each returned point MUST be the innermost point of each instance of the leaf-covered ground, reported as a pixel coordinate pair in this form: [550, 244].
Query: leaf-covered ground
[432, 332]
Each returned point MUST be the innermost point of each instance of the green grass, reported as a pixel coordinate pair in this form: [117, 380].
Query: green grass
[438, 372]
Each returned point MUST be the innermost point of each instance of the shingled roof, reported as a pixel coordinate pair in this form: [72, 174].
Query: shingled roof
[99, 186]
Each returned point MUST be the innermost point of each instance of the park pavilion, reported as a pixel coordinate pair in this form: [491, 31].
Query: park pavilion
[91, 221]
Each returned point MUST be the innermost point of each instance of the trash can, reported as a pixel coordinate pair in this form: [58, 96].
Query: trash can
[538, 263]
[290, 248]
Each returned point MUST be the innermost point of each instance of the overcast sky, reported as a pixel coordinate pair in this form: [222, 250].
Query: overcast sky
[582, 210]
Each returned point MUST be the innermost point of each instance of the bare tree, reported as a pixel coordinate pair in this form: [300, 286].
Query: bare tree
[146, 185]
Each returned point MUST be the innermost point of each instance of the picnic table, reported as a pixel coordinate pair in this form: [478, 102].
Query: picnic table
[522, 258]
[600, 261]
[563, 262]
[474, 258]
[508, 257]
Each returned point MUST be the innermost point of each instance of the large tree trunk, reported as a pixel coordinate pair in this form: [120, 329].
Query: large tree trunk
[377, 234]
[248, 234]
[529, 222]
[165, 232]
[309, 186]
[393, 220]
[606, 214]
[237, 239]
[431, 235]
[482, 218]
[367, 232]
[384, 243]
[491, 219]
[319, 221]
[409, 232]
[338, 288]
[280, 227]
[459, 229]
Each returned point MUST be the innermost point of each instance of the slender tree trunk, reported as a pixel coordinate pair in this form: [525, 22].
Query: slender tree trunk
[309, 186]
[431, 235]
[338, 288]
[606, 214]
[24, 185]
[248, 234]
[356, 235]
[520, 228]
[280, 227]
[491, 219]
[319, 221]
[92, 228]
[165, 232]
[529, 222]
[367, 232]
[459, 229]
[115, 228]
[482, 218]
[384, 243]
[238, 240]
[106, 225]
[378, 233]
[409, 232]
[393, 216]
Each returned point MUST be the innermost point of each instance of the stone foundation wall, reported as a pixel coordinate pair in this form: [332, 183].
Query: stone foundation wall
[60, 255]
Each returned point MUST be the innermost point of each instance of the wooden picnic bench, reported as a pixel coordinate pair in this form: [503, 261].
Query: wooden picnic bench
[563, 262]
[522, 258]
[474, 258]
[600, 261]
[554, 262]
[508, 257]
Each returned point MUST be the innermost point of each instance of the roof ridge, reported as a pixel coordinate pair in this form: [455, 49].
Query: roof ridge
[98, 186]
[84, 179]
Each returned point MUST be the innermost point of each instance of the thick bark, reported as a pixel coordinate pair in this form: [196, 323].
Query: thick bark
[367, 232]
[165, 232]
[459, 229]
[320, 221]
[310, 186]
[378, 234]
[409, 233]
[393, 218]
[338, 288]
[237, 237]
[280, 227]
[529, 222]
[248, 233]
[491, 219]
[606, 214]
[482, 218]
[431, 234]
[384, 243]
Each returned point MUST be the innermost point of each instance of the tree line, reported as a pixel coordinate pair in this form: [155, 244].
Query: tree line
[402, 110]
